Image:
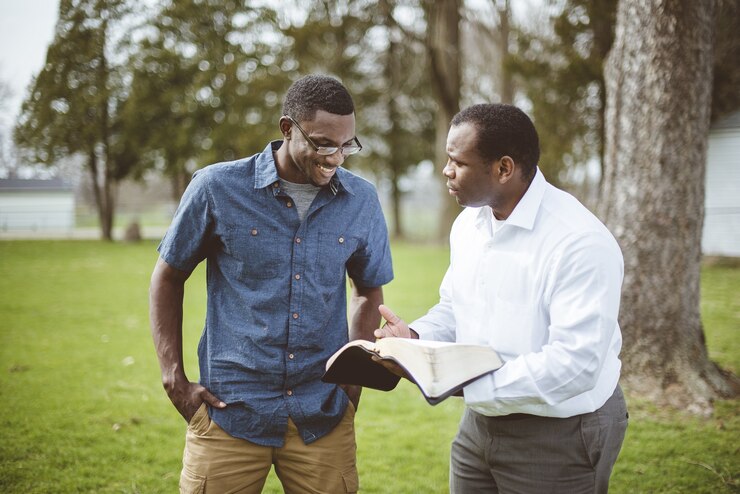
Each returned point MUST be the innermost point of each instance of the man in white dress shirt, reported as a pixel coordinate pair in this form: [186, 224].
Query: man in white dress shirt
[538, 277]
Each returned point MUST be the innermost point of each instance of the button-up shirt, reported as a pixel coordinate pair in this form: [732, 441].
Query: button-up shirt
[276, 290]
[543, 289]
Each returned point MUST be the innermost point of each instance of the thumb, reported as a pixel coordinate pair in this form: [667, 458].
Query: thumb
[388, 315]
[209, 398]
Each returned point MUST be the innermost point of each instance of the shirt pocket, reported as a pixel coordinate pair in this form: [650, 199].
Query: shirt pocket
[333, 251]
[257, 250]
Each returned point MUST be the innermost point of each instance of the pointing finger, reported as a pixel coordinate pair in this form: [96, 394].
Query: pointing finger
[388, 314]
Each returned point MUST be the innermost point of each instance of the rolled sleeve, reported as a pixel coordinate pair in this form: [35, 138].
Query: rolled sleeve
[371, 265]
[184, 245]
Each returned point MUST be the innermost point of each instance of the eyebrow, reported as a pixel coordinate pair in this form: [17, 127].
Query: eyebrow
[456, 160]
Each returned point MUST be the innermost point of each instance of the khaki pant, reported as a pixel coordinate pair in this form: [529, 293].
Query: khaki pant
[215, 462]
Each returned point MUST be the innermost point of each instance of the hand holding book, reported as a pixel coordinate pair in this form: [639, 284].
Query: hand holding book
[439, 369]
[394, 327]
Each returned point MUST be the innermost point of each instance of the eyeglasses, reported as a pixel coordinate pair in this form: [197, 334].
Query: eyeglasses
[347, 149]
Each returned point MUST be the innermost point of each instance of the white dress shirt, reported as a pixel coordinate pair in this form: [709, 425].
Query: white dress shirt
[543, 289]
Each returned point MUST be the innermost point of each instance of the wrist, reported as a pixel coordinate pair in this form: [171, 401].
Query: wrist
[173, 377]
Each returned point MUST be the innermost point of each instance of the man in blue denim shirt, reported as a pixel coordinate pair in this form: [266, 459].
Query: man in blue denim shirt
[280, 231]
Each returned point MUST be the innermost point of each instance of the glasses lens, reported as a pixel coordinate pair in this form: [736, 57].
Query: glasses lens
[324, 151]
[346, 150]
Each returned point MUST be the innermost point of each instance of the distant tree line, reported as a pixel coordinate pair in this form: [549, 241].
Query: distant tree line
[136, 87]
[185, 83]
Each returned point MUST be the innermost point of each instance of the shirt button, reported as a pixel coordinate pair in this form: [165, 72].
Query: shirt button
[298, 276]
[275, 185]
[298, 240]
[341, 240]
[295, 315]
[291, 356]
[254, 231]
[289, 204]
[289, 392]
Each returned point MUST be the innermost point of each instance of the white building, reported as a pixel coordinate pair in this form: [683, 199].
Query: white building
[36, 205]
[721, 236]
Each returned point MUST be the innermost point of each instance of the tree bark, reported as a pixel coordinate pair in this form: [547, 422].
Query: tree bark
[658, 84]
[603, 39]
[107, 204]
[179, 179]
[102, 195]
[443, 47]
[506, 82]
[393, 73]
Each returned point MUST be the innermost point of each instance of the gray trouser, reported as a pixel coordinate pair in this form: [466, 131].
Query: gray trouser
[529, 454]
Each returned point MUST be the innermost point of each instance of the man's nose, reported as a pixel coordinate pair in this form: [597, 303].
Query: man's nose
[335, 159]
[448, 171]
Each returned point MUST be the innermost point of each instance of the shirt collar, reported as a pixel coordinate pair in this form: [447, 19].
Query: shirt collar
[340, 181]
[265, 173]
[525, 212]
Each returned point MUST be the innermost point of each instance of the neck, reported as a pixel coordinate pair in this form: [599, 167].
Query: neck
[286, 168]
[505, 207]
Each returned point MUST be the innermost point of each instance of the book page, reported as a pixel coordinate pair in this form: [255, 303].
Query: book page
[436, 366]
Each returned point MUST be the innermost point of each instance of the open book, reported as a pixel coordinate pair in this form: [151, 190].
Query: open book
[439, 369]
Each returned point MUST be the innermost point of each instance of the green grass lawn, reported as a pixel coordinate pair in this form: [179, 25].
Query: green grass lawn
[84, 410]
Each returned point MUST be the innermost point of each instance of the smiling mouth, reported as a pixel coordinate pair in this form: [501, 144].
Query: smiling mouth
[328, 169]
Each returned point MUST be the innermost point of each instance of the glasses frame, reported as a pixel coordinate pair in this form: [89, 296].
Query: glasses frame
[327, 150]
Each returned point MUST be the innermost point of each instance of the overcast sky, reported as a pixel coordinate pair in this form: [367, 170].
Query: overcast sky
[26, 29]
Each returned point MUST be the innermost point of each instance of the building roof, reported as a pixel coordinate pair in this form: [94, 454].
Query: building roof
[729, 121]
[34, 185]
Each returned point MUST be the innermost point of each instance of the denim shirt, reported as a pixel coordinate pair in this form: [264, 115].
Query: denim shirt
[276, 290]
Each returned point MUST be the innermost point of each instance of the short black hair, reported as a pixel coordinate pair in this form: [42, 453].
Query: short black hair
[316, 92]
[503, 130]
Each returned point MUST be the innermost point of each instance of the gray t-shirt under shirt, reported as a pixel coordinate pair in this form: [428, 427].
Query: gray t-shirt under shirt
[302, 195]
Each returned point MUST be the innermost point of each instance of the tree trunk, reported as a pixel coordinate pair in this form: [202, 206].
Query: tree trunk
[443, 47]
[658, 84]
[107, 200]
[393, 72]
[506, 82]
[398, 230]
[106, 215]
[101, 193]
[603, 39]
[179, 179]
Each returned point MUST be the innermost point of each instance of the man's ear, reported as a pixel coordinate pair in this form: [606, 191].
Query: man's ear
[286, 127]
[505, 168]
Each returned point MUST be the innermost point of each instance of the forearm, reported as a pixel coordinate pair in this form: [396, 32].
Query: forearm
[581, 354]
[165, 315]
[364, 315]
